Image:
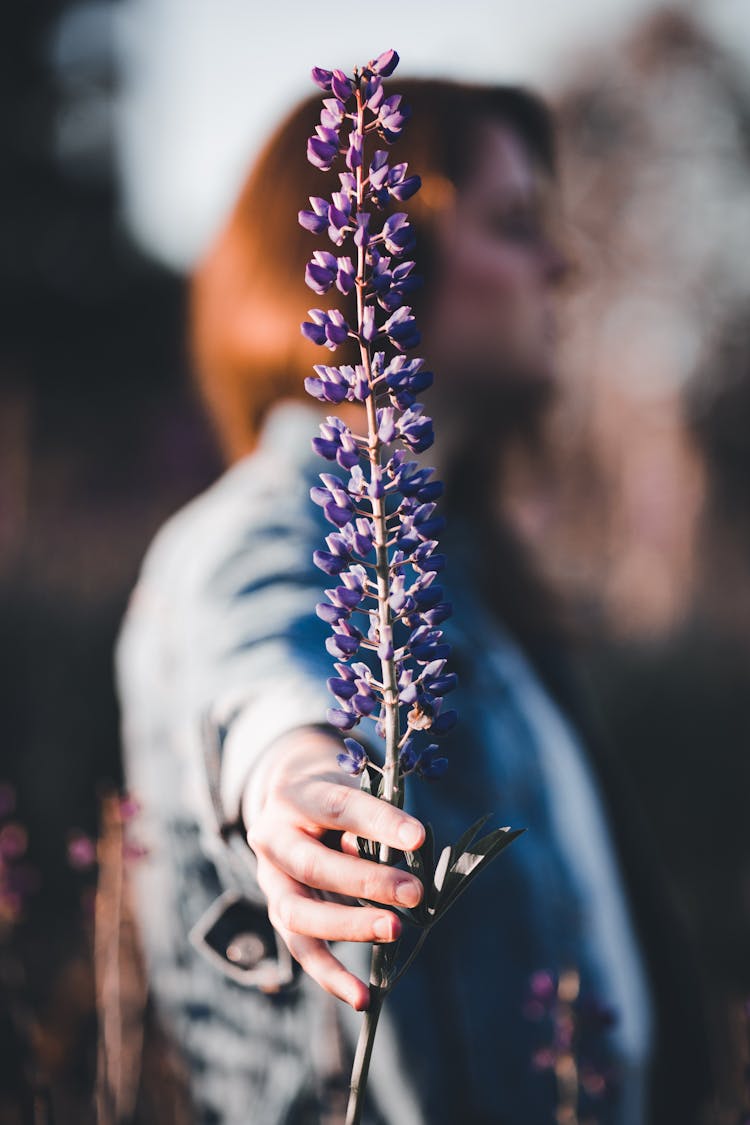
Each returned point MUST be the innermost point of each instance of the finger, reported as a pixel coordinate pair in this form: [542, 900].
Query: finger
[330, 921]
[326, 970]
[330, 805]
[293, 909]
[349, 844]
[312, 953]
[312, 864]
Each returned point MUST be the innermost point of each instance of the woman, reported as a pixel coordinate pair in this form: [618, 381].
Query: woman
[223, 668]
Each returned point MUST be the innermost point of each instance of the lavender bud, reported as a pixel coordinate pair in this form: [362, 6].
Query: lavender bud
[344, 720]
[342, 689]
[322, 77]
[384, 64]
[374, 94]
[332, 114]
[401, 329]
[369, 328]
[317, 219]
[321, 153]
[398, 235]
[353, 759]
[341, 85]
[354, 151]
[320, 273]
[345, 275]
[328, 562]
[429, 766]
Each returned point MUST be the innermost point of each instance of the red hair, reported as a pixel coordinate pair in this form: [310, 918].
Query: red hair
[248, 295]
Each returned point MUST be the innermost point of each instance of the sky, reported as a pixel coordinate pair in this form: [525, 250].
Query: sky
[205, 80]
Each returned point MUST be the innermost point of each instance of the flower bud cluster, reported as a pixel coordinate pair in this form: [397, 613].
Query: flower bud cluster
[383, 552]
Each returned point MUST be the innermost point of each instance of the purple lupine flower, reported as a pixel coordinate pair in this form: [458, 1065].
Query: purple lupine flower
[392, 117]
[403, 628]
[397, 234]
[316, 220]
[322, 77]
[384, 64]
[326, 327]
[430, 765]
[385, 607]
[320, 273]
[401, 329]
[323, 148]
[342, 86]
[354, 151]
[332, 114]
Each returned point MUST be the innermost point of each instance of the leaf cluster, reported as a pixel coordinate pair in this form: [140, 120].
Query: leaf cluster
[457, 867]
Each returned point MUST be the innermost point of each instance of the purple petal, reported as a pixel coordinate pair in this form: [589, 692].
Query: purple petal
[374, 94]
[337, 515]
[341, 85]
[330, 564]
[406, 188]
[385, 64]
[322, 78]
[342, 689]
[444, 722]
[369, 329]
[353, 759]
[364, 704]
[320, 153]
[344, 720]
[342, 646]
[318, 278]
[314, 332]
[354, 151]
[312, 222]
[386, 424]
[362, 235]
[331, 614]
[325, 448]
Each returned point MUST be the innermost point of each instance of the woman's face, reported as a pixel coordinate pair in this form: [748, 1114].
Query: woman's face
[491, 316]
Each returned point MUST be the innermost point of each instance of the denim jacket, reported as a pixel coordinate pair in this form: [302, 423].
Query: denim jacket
[220, 653]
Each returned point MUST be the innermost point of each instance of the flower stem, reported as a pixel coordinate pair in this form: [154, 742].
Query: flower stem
[361, 1067]
[382, 955]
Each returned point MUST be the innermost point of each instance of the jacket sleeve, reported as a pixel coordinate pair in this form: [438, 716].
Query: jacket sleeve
[221, 641]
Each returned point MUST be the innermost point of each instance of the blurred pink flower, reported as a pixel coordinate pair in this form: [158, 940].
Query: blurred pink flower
[81, 851]
[13, 841]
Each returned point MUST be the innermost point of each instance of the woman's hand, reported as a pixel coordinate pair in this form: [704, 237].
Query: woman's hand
[306, 795]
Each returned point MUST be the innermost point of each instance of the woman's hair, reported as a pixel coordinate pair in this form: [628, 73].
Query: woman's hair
[249, 294]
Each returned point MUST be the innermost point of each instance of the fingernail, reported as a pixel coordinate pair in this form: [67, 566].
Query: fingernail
[409, 835]
[408, 892]
[383, 928]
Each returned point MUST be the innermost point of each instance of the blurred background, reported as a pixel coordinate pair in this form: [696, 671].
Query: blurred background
[126, 128]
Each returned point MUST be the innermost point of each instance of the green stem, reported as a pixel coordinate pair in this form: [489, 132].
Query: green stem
[365, 1043]
[382, 955]
[420, 942]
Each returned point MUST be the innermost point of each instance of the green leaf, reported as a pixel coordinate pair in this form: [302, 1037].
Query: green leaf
[465, 867]
[367, 848]
[446, 879]
[421, 862]
[415, 863]
[463, 842]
